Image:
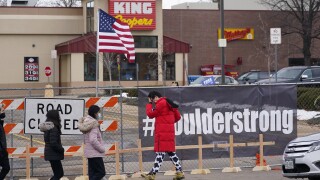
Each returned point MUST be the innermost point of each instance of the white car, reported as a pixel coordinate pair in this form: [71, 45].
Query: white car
[213, 80]
[301, 158]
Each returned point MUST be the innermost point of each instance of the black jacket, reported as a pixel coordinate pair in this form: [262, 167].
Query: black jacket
[53, 148]
[3, 141]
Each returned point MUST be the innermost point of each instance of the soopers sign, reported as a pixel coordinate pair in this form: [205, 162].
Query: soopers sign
[70, 110]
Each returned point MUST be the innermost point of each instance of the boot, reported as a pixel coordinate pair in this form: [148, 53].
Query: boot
[148, 176]
[179, 176]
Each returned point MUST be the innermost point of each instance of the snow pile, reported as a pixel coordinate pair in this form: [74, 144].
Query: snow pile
[304, 115]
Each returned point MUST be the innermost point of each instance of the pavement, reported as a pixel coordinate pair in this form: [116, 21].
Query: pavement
[245, 174]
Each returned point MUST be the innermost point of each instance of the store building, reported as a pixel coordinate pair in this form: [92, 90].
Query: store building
[170, 44]
[247, 24]
[29, 36]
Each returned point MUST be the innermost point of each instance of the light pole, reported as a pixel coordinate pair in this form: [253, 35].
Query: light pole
[221, 7]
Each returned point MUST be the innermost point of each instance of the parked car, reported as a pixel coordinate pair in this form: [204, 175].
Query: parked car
[301, 158]
[213, 80]
[295, 74]
[253, 76]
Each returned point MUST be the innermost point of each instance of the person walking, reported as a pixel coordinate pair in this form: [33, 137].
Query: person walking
[53, 150]
[166, 114]
[4, 159]
[94, 149]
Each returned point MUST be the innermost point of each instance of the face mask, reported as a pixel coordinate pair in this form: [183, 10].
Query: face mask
[99, 116]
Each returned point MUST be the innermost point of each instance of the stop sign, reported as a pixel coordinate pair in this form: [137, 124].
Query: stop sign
[47, 70]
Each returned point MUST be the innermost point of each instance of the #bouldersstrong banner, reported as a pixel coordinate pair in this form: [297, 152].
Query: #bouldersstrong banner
[217, 112]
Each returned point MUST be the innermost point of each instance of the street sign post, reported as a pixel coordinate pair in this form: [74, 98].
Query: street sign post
[275, 35]
[54, 57]
[275, 38]
[47, 71]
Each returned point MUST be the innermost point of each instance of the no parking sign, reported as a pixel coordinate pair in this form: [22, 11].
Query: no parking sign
[70, 110]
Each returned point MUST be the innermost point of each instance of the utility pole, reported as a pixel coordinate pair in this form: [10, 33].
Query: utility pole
[222, 37]
[222, 42]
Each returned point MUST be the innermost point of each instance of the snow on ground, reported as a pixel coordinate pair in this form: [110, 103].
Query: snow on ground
[304, 115]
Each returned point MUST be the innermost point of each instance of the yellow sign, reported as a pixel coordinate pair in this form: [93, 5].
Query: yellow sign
[135, 21]
[232, 34]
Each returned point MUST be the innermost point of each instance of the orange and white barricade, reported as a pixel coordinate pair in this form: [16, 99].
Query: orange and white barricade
[105, 102]
[71, 151]
[17, 128]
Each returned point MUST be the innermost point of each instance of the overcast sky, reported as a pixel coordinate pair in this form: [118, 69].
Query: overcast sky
[166, 4]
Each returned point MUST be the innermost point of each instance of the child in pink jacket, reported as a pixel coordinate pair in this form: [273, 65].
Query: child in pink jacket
[94, 149]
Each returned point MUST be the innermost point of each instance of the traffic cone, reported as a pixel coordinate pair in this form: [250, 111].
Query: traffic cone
[258, 160]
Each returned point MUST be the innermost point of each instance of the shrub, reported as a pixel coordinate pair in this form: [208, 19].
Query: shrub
[132, 92]
[307, 97]
[302, 90]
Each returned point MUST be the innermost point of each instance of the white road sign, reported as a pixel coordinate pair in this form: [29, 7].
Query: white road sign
[275, 35]
[222, 42]
[70, 110]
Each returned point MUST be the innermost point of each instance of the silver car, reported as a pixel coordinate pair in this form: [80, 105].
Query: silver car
[213, 80]
[301, 158]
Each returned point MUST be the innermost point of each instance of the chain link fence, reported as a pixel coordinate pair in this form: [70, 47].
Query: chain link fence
[126, 114]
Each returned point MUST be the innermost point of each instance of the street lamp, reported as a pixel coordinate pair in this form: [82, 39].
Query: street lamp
[221, 7]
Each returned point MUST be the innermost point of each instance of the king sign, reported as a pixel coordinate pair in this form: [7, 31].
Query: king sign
[140, 15]
[132, 8]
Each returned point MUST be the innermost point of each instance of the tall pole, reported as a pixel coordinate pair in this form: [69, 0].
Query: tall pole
[137, 74]
[54, 72]
[222, 37]
[119, 68]
[97, 55]
[54, 59]
[276, 57]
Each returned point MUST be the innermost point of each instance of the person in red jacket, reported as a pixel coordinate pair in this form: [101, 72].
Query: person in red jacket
[166, 114]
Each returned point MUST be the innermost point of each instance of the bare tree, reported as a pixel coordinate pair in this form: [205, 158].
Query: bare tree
[265, 48]
[299, 17]
[3, 2]
[67, 3]
[58, 3]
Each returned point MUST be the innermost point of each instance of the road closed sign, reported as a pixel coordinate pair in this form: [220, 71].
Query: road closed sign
[70, 110]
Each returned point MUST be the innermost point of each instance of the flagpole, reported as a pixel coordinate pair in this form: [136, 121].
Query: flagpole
[97, 56]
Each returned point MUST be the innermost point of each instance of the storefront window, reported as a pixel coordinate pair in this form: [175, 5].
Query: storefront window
[89, 67]
[146, 41]
[148, 68]
[170, 66]
[90, 16]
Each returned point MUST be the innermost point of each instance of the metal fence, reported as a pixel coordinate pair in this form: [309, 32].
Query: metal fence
[126, 113]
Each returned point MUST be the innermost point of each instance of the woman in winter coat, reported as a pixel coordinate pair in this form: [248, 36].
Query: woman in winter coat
[166, 114]
[94, 149]
[53, 151]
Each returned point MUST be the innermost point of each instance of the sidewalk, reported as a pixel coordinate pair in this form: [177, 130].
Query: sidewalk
[245, 174]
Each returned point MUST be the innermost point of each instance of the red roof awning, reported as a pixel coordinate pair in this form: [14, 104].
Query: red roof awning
[171, 45]
[88, 43]
[83, 44]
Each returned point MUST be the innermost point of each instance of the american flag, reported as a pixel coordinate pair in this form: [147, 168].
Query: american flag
[115, 36]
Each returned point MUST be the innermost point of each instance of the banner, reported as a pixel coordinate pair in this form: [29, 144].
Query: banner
[217, 112]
